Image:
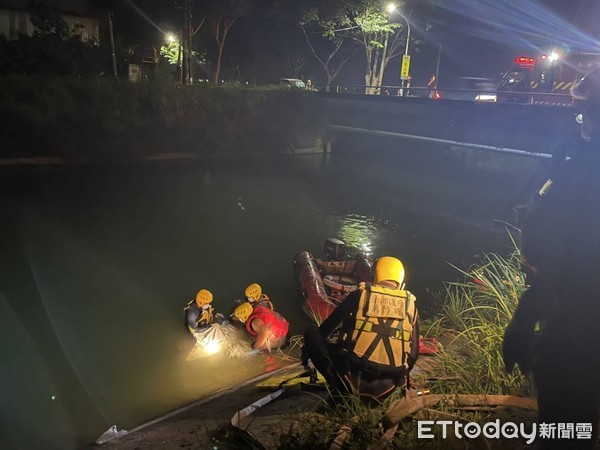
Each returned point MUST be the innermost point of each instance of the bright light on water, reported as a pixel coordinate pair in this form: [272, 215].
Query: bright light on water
[212, 347]
[357, 231]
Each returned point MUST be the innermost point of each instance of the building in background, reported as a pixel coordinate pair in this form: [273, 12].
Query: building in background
[78, 14]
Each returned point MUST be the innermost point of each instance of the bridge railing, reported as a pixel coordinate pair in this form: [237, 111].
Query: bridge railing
[486, 95]
[380, 90]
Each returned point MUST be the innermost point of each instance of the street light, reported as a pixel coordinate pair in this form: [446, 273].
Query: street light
[392, 8]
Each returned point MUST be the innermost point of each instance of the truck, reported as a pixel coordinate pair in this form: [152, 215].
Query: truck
[545, 79]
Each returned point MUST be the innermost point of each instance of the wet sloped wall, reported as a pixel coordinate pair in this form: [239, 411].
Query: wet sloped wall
[531, 128]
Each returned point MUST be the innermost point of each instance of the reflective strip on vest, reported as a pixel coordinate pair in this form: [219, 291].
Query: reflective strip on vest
[205, 318]
[391, 332]
[383, 327]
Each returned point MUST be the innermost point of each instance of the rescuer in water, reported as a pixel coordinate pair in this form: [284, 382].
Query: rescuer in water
[378, 343]
[255, 296]
[199, 314]
[556, 327]
[268, 328]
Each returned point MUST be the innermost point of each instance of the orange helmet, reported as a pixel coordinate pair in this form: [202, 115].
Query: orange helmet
[243, 311]
[203, 297]
[253, 292]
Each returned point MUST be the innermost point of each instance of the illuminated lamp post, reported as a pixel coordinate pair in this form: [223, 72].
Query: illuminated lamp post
[392, 8]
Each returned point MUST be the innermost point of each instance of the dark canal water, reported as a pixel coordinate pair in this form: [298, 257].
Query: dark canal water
[97, 265]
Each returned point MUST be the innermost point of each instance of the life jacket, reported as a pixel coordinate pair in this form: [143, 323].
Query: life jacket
[263, 300]
[204, 317]
[278, 325]
[381, 330]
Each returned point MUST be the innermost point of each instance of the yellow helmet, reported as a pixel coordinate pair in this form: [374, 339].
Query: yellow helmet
[243, 311]
[253, 292]
[389, 268]
[203, 297]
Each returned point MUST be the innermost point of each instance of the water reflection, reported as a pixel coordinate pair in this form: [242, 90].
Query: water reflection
[357, 231]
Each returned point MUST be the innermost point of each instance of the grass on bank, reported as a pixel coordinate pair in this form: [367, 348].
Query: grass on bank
[475, 315]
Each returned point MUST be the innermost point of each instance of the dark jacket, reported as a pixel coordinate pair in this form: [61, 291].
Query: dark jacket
[560, 246]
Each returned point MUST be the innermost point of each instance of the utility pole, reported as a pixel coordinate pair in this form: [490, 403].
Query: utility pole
[179, 56]
[187, 41]
[112, 44]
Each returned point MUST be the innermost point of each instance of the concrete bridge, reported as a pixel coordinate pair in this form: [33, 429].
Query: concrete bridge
[522, 129]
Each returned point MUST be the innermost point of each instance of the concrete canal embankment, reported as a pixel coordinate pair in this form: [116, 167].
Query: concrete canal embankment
[521, 129]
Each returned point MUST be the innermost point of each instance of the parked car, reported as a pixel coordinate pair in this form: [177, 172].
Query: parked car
[292, 83]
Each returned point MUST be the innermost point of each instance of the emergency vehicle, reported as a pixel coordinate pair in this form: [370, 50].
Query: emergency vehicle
[546, 79]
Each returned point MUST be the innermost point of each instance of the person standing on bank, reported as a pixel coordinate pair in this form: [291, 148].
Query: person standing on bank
[432, 86]
[378, 343]
[555, 329]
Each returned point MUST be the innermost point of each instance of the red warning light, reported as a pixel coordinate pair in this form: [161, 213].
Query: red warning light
[524, 61]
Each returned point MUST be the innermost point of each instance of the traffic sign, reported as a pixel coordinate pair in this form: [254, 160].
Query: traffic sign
[404, 71]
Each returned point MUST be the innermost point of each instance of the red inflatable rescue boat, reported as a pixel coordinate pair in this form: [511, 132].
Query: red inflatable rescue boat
[326, 283]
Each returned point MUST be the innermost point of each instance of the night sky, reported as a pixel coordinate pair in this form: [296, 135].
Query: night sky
[478, 37]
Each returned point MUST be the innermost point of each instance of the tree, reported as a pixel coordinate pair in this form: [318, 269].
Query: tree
[332, 57]
[331, 47]
[293, 62]
[375, 29]
[47, 22]
[171, 51]
[222, 15]
[364, 22]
